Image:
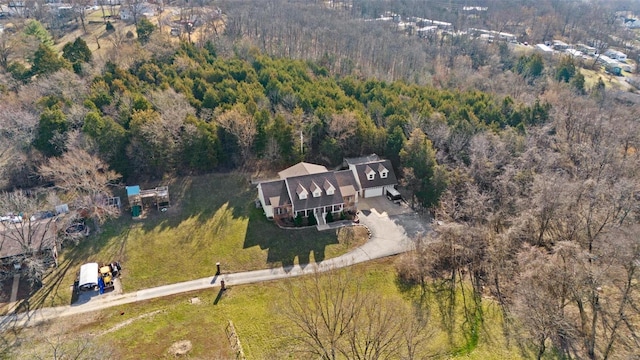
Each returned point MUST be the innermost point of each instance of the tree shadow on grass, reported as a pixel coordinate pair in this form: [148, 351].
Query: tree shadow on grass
[200, 197]
[284, 246]
[438, 300]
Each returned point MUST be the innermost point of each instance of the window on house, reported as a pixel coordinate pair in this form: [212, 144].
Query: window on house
[370, 173]
[328, 187]
[302, 192]
[316, 190]
[337, 208]
[383, 171]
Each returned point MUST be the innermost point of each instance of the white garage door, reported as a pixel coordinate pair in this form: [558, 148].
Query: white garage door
[373, 192]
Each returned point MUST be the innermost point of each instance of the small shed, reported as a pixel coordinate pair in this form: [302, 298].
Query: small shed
[141, 198]
[135, 200]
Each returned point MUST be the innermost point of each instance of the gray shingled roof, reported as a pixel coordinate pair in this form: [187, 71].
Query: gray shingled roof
[275, 190]
[377, 181]
[345, 179]
[307, 182]
[14, 238]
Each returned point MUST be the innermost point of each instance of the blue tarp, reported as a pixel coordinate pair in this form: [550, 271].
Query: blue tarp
[133, 190]
[101, 284]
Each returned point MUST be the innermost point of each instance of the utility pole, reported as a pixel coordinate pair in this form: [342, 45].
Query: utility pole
[301, 143]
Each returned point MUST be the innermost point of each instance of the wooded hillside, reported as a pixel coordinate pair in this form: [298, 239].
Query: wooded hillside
[531, 175]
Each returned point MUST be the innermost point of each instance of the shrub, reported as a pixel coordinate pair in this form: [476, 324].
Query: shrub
[298, 220]
[110, 27]
[329, 217]
[312, 220]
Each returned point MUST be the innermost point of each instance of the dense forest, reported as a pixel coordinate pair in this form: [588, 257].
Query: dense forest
[530, 175]
[190, 111]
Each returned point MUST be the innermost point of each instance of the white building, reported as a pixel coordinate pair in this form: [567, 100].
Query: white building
[588, 50]
[574, 53]
[617, 55]
[560, 45]
[544, 48]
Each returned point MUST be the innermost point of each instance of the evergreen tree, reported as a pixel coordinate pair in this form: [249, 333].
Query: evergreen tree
[329, 217]
[77, 51]
[531, 67]
[51, 132]
[566, 69]
[144, 28]
[36, 29]
[46, 61]
[423, 175]
[19, 72]
[578, 82]
[395, 142]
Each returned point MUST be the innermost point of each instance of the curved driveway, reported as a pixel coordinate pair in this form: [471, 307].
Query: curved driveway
[388, 237]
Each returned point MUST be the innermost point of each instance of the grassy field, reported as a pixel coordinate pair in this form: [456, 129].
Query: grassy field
[212, 219]
[147, 330]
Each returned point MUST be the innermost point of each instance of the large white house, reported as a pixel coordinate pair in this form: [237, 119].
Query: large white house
[308, 189]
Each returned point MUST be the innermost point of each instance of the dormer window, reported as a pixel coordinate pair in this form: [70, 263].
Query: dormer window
[370, 173]
[316, 190]
[383, 171]
[302, 192]
[328, 188]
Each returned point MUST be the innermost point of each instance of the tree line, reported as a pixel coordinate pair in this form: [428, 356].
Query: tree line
[194, 111]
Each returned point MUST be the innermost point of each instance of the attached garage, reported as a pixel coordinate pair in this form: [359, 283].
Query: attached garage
[373, 192]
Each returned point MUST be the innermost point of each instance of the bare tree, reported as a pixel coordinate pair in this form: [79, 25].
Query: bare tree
[80, 10]
[541, 298]
[87, 180]
[135, 7]
[27, 237]
[79, 348]
[337, 318]
[240, 124]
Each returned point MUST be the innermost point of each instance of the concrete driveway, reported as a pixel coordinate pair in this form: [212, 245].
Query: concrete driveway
[388, 214]
[393, 228]
[384, 206]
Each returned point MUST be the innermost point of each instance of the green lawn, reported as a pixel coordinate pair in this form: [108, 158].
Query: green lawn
[263, 331]
[212, 219]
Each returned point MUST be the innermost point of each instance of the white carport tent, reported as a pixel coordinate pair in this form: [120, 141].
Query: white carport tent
[88, 276]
